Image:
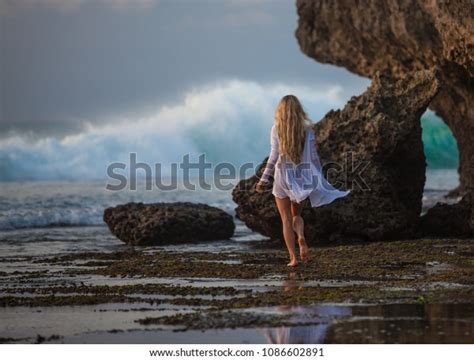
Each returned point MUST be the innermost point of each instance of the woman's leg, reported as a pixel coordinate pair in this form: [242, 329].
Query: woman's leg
[298, 226]
[284, 209]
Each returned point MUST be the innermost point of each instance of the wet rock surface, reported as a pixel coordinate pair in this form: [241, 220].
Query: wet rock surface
[395, 38]
[168, 223]
[449, 220]
[167, 290]
[376, 142]
[219, 320]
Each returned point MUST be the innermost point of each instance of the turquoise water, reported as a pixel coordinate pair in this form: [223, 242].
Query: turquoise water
[440, 147]
[235, 143]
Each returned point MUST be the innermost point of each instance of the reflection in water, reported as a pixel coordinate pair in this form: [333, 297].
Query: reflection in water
[363, 323]
[312, 334]
[407, 323]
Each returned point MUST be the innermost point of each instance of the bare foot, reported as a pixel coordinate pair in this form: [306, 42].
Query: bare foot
[304, 250]
[293, 262]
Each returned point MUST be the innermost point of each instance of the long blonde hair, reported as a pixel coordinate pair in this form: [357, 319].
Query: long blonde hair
[290, 121]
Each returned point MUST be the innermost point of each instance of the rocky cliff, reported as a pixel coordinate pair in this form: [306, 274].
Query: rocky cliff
[395, 38]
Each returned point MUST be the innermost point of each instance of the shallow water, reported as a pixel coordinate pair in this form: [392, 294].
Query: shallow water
[330, 323]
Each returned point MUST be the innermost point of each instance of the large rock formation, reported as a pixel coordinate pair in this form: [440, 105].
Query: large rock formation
[168, 223]
[395, 38]
[376, 138]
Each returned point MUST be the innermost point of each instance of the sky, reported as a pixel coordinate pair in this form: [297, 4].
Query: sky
[85, 82]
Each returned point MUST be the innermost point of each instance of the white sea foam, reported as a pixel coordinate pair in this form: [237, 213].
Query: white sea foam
[228, 121]
[61, 204]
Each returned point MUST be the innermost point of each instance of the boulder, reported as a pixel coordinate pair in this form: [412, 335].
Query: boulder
[168, 223]
[449, 220]
[373, 147]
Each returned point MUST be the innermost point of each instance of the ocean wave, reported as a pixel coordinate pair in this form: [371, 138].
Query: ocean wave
[65, 217]
[25, 205]
[439, 144]
[37, 218]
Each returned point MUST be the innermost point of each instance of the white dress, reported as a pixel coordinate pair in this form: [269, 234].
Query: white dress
[301, 181]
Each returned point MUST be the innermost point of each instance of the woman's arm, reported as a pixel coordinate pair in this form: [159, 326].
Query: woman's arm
[273, 157]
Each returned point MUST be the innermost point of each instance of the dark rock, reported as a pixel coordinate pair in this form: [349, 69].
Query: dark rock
[395, 38]
[168, 223]
[449, 220]
[377, 139]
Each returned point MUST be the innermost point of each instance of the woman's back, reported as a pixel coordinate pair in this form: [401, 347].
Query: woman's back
[308, 152]
[299, 181]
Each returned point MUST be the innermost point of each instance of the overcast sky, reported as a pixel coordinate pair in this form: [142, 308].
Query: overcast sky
[77, 67]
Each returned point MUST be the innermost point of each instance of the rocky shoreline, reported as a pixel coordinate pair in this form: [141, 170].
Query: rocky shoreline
[141, 281]
[379, 272]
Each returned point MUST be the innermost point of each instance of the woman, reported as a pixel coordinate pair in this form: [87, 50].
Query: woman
[298, 174]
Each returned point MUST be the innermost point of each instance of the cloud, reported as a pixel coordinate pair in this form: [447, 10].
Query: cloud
[240, 3]
[91, 61]
[228, 121]
[7, 6]
[231, 20]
